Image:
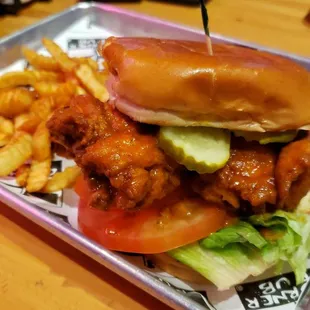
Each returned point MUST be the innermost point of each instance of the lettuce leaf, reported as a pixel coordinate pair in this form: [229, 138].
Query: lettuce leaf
[295, 221]
[250, 247]
[304, 204]
[224, 267]
[294, 244]
[242, 232]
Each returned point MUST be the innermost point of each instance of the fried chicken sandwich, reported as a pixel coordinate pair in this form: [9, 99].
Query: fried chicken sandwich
[201, 161]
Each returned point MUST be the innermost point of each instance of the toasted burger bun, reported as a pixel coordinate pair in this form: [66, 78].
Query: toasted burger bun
[169, 82]
[177, 269]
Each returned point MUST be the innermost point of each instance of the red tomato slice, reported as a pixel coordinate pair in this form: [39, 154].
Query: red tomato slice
[152, 230]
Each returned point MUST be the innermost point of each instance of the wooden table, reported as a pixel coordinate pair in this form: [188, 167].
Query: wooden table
[39, 271]
[274, 23]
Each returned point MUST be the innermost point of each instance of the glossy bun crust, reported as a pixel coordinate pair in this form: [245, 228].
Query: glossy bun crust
[168, 82]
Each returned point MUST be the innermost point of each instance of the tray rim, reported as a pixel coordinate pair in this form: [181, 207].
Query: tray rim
[149, 18]
[214, 35]
[107, 258]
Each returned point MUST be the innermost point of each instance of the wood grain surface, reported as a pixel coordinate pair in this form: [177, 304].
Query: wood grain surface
[274, 23]
[39, 271]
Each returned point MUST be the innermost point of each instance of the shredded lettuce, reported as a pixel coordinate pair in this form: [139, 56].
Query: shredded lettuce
[304, 204]
[294, 244]
[250, 247]
[224, 267]
[242, 232]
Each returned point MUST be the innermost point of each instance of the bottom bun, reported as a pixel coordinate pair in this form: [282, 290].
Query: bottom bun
[177, 269]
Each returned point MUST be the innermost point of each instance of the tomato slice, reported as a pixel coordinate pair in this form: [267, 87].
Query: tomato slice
[152, 230]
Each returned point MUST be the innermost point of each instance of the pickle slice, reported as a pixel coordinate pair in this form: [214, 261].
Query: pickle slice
[267, 137]
[200, 149]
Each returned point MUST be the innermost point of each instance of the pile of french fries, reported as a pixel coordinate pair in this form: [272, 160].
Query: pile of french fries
[27, 100]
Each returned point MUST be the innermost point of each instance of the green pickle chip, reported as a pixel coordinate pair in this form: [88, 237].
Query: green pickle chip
[267, 137]
[200, 149]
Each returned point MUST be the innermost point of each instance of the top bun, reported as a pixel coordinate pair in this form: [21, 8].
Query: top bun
[177, 83]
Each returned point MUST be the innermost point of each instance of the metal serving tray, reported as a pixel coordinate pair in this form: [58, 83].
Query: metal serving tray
[122, 23]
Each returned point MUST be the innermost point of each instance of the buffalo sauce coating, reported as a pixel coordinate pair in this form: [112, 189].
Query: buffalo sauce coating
[293, 173]
[109, 146]
[248, 175]
[250, 171]
[133, 172]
